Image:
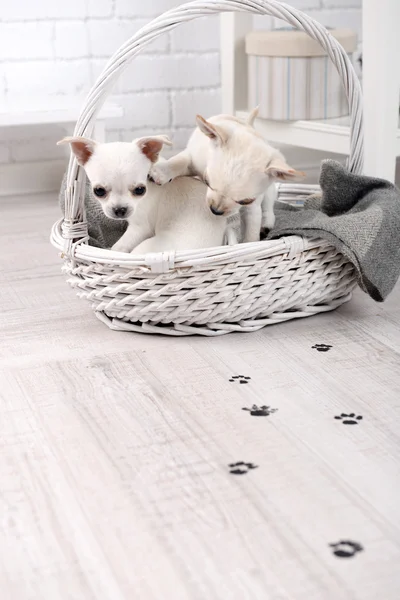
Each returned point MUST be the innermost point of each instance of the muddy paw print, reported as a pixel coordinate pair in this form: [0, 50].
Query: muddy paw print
[346, 548]
[260, 411]
[241, 468]
[239, 378]
[350, 419]
[322, 347]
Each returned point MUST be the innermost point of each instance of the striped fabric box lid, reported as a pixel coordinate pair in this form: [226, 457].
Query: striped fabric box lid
[291, 42]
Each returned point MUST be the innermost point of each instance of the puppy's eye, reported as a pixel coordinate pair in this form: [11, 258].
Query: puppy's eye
[246, 202]
[100, 192]
[139, 190]
[207, 182]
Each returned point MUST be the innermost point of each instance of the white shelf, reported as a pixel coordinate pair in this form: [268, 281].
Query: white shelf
[52, 114]
[329, 135]
[381, 82]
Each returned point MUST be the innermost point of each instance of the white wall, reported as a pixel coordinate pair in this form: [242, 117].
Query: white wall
[51, 51]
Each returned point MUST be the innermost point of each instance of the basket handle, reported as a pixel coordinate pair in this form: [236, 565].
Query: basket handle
[74, 225]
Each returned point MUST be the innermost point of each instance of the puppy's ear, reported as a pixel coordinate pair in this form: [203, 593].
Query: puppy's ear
[252, 116]
[215, 133]
[279, 169]
[83, 148]
[152, 146]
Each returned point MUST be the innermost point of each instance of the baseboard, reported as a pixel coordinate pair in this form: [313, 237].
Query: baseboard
[31, 177]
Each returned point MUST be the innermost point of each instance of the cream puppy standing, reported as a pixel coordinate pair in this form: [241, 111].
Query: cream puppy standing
[238, 167]
[174, 217]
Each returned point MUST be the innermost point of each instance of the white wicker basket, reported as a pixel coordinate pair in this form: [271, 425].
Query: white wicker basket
[216, 290]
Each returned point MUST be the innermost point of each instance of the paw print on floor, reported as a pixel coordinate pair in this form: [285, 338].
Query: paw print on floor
[346, 548]
[239, 378]
[350, 419]
[260, 411]
[321, 347]
[241, 468]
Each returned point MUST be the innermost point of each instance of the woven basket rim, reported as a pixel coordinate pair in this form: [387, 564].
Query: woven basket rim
[288, 245]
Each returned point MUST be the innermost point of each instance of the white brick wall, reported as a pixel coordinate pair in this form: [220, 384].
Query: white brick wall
[106, 36]
[143, 8]
[26, 10]
[45, 79]
[19, 41]
[53, 51]
[201, 35]
[186, 104]
[171, 71]
[71, 40]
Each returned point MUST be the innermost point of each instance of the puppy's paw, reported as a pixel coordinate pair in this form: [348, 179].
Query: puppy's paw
[268, 223]
[250, 238]
[160, 173]
[121, 247]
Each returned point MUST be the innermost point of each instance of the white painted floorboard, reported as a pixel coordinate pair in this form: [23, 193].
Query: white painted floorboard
[115, 448]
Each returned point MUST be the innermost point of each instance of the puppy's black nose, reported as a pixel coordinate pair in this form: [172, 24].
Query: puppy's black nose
[120, 211]
[215, 211]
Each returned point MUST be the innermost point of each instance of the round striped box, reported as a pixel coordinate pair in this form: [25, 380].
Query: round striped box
[291, 78]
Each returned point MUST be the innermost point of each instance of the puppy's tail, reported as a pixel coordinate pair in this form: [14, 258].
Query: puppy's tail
[252, 116]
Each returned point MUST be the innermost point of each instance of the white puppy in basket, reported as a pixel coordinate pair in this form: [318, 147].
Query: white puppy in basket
[174, 217]
[237, 165]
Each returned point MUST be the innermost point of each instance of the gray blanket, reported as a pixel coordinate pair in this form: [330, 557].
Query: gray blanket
[358, 215]
[103, 232]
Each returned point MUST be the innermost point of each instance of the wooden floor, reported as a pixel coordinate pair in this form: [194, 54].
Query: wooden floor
[115, 448]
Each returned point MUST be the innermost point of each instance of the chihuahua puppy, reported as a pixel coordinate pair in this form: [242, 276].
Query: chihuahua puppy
[174, 217]
[237, 166]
